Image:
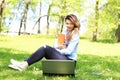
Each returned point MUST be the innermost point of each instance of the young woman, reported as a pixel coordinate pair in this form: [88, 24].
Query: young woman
[67, 51]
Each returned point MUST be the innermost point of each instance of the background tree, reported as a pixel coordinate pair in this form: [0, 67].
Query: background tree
[96, 21]
[24, 17]
[40, 6]
[101, 21]
[2, 5]
[9, 12]
[34, 4]
[110, 19]
[49, 2]
[61, 8]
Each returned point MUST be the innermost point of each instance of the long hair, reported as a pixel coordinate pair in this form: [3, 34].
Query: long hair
[76, 27]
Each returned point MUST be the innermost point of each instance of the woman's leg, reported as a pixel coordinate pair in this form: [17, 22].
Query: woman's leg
[47, 52]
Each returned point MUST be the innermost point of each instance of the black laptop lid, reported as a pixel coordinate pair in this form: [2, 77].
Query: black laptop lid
[58, 66]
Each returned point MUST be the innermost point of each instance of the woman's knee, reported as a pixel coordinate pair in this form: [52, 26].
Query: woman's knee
[47, 47]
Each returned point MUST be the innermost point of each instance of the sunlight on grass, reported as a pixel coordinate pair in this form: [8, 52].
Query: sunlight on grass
[101, 49]
[25, 43]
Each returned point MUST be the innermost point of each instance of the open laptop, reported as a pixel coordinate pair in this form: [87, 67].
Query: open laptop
[60, 67]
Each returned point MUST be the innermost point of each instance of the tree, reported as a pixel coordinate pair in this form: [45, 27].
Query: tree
[61, 8]
[40, 3]
[118, 33]
[24, 17]
[118, 27]
[102, 20]
[118, 22]
[6, 12]
[112, 16]
[48, 18]
[96, 21]
[49, 2]
[2, 5]
[34, 4]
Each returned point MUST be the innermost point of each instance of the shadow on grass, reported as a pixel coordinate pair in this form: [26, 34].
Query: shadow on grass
[100, 40]
[95, 67]
[33, 72]
[82, 37]
[107, 41]
[89, 67]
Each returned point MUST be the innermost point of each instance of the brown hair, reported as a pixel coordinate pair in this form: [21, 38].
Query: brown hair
[76, 23]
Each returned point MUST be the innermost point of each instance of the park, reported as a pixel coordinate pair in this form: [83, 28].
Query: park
[98, 52]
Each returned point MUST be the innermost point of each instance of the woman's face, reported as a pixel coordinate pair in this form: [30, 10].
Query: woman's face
[69, 25]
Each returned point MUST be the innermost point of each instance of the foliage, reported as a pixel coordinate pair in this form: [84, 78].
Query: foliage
[108, 13]
[108, 19]
[5, 28]
[11, 7]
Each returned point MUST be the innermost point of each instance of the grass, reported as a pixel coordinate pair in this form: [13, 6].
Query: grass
[96, 60]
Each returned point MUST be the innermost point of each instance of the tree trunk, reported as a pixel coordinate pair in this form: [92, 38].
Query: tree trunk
[48, 18]
[20, 26]
[95, 35]
[96, 21]
[118, 33]
[118, 30]
[62, 22]
[40, 18]
[2, 4]
[25, 16]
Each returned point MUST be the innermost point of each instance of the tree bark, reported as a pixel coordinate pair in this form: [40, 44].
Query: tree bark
[118, 33]
[96, 21]
[118, 30]
[25, 16]
[20, 26]
[62, 20]
[40, 18]
[2, 4]
[48, 18]
[95, 35]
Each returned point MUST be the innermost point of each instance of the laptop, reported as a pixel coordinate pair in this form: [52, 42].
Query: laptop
[60, 67]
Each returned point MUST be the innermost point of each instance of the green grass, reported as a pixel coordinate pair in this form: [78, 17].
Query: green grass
[96, 60]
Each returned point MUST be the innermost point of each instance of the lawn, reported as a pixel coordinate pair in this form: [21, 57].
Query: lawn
[96, 60]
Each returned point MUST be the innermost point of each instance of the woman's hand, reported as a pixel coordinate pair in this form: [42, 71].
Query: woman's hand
[62, 46]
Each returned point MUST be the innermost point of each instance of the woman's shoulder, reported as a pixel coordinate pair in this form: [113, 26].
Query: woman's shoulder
[76, 35]
[64, 31]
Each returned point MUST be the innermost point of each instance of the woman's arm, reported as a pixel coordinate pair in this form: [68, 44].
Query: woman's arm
[62, 46]
[71, 46]
[56, 44]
